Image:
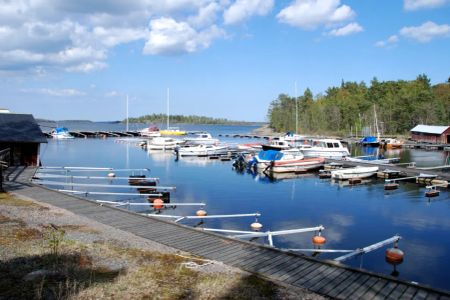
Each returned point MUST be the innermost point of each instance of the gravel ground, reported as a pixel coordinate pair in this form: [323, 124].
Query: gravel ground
[88, 231]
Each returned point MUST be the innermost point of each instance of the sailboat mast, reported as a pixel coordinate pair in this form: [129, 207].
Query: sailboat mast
[296, 108]
[376, 122]
[168, 94]
[127, 112]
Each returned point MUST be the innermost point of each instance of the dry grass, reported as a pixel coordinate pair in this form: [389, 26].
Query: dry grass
[9, 200]
[104, 270]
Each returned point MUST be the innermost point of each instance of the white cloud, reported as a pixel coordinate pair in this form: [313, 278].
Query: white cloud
[310, 14]
[244, 9]
[346, 30]
[55, 92]
[426, 32]
[111, 37]
[169, 37]
[425, 4]
[390, 42]
[206, 15]
[112, 94]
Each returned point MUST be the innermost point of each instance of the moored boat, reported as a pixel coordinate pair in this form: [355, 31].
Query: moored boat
[61, 133]
[277, 143]
[202, 138]
[328, 148]
[356, 172]
[151, 131]
[162, 143]
[201, 150]
[172, 131]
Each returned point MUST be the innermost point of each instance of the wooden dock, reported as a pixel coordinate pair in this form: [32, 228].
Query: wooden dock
[327, 278]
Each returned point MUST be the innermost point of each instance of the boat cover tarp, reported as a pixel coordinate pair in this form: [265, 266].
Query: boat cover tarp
[369, 139]
[270, 155]
[61, 129]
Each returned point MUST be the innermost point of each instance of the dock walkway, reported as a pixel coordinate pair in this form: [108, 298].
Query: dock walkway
[323, 277]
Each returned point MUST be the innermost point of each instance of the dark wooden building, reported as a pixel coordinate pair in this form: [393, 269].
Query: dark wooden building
[431, 134]
[22, 135]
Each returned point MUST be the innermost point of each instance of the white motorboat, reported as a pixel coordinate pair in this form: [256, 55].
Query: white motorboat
[277, 143]
[328, 148]
[370, 159]
[201, 150]
[61, 133]
[151, 131]
[203, 138]
[356, 172]
[162, 143]
[291, 160]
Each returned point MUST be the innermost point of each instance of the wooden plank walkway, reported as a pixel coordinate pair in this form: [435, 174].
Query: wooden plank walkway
[323, 277]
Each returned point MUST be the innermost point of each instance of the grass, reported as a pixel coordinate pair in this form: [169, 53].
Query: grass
[104, 270]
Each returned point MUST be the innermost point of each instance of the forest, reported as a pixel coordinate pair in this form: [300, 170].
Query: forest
[350, 108]
[161, 119]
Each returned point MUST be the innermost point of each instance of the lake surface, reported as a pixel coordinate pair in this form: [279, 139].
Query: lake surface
[354, 216]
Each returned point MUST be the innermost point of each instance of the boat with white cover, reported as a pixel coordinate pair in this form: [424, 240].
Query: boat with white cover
[277, 143]
[356, 172]
[328, 148]
[162, 143]
[201, 138]
[61, 133]
[201, 150]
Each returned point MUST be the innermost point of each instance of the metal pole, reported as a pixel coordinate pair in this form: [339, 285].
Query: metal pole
[296, 108]
[127, 113]
[106, 193]
[370, 248]
[44, 182]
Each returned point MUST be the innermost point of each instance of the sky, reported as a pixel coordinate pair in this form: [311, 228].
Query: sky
[63, 59]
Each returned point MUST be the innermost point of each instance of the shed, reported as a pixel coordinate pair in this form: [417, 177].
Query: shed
[23, 136]
[431, 134]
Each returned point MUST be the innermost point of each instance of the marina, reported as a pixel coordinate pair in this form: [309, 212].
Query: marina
[324, 277]
[223, 193]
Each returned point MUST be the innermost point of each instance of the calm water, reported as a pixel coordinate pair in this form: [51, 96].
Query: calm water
[354, 216]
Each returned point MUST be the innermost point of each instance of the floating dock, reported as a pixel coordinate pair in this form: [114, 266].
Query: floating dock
[328, 278]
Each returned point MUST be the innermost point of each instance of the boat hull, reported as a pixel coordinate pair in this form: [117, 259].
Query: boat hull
[298, 165]
[345, 174]
[338, 154]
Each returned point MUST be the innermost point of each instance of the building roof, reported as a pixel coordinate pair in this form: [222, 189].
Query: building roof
[20, 128]
[430, 129]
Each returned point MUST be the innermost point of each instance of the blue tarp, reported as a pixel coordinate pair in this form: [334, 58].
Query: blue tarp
[270, 155]
[369, 139]
[61, 129]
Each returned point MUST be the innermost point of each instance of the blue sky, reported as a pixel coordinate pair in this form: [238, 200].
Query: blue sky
[63, 59]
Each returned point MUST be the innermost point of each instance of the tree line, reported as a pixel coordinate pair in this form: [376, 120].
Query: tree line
[400, 105]
[192, 119]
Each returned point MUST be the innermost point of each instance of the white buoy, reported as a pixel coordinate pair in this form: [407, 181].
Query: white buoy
[201, 213]
[256, 225]
[111, 174]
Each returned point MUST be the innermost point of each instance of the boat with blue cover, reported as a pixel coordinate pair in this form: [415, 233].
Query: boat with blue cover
[61, 133]
[291, 160]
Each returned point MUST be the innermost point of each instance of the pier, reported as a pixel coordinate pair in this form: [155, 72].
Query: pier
[328, 278]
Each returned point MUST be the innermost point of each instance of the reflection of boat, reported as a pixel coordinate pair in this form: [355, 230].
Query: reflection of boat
[162, 143]
[328, 148]
[346, 183]
[201, 150]
[356, 172]
[151, 131]
[201, 138]
[61, 133]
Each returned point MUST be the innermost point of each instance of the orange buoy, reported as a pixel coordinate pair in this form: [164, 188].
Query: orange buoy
[158, 204]
[319, 240]
[256, 226]
[432, 193]
[201, 213]
[394, 255]
[391, 186]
